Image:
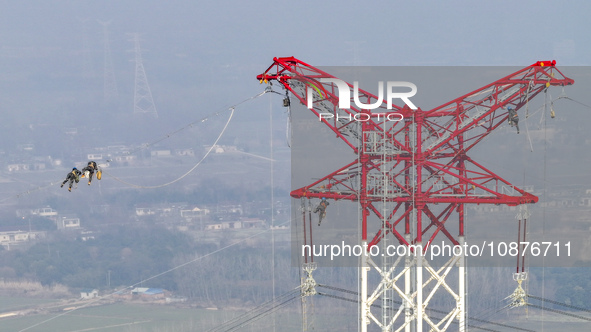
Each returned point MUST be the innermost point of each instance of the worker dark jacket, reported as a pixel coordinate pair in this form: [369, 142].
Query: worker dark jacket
[73, 175]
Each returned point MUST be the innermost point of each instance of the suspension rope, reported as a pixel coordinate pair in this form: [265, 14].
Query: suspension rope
[190, 125]
[530, 86]
[288, 129]
[23, 193]
[310, 227]
[144, 146]
[188, 172]
[232, 108]
[578, 102]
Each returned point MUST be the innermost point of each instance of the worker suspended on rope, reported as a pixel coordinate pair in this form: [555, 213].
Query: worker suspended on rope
[321, 209]
[89, 171]
[513, 118]
[74, 175]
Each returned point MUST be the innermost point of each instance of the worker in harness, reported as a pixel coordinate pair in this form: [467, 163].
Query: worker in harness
[74, 175]
[513, 118]
[321, 209]
[89, 171]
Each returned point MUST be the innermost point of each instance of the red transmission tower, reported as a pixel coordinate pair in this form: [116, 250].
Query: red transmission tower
[418, 167]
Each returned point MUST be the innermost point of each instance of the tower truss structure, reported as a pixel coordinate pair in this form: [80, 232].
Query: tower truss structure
[110, 83]
[143, 103]
[412, 177]
[86, 55]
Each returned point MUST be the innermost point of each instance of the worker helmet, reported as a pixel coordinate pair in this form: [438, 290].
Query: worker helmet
[324, 198]
[74, 169]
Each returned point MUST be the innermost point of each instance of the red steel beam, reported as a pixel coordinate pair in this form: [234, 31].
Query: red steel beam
[431, 167]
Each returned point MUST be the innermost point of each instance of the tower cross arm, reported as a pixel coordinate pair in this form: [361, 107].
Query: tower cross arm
[476, 114]
[340, 105]
[337, 185]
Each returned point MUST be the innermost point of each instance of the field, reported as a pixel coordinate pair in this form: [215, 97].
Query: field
[116, 318]
[129, 317]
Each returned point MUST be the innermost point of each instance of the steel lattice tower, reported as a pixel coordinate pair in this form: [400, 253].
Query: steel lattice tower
[143, 103]
[110, 83]
[412, 177]
[87, 67]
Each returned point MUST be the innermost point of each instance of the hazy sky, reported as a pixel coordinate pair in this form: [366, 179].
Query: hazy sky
[201, 55]
[208, 53]
[320, 32]
[198, 43]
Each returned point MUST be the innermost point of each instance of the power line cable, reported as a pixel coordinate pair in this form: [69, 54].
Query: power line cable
[379, 306]
[258, 312]
[559, 312]
[558, 303]
[429, 309]
[150, 278]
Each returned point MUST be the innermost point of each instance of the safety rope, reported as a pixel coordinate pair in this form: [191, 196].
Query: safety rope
[23, 193]
[545, 172]
[231, 108]
[288, 132]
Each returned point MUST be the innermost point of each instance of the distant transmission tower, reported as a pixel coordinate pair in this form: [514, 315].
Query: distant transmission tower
[110, 84]
[87, 67]
[142, 97]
